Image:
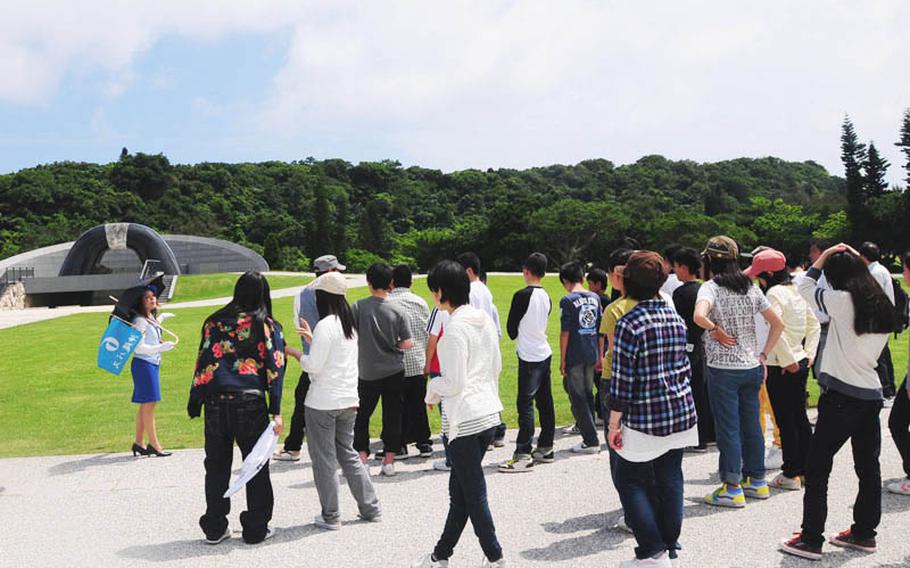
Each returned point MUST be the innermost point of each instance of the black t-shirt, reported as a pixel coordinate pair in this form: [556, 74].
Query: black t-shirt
[684, 299]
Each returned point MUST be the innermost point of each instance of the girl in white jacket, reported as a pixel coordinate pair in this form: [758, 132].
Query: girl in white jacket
[469, 387]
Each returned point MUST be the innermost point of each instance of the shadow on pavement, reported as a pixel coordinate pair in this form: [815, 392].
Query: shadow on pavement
[578, 547]
[196, 548]
[76, 466]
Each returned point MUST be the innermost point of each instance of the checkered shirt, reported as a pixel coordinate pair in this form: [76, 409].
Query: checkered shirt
[417, 313]
[651, 371]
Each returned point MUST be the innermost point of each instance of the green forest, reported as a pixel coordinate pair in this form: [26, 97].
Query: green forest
[293, 212]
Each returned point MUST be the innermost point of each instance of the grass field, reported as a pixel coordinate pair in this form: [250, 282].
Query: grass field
[54, 400]
[202, 286]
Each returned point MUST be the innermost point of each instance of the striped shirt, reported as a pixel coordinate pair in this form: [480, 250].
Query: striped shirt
[470, 427]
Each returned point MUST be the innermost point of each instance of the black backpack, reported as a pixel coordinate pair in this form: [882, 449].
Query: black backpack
[901, 308]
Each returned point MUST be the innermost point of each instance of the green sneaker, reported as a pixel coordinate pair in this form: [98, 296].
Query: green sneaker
[727, 496]
[756, 488]
[518, 464]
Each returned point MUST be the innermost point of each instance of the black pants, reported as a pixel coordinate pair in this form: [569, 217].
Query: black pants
[415, 426]
[242, 418]
[885, 370]
[389, 389]
[899, 424]
[468, 497]
[842, 418]
[787, 392]
[294, 440]
[706, 433]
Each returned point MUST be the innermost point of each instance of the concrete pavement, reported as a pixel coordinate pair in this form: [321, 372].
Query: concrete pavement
[116, 510]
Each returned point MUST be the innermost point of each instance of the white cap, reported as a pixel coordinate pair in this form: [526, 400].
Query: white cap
[332, 282]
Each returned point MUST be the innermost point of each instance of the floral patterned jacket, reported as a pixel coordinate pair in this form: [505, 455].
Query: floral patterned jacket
[228, 361]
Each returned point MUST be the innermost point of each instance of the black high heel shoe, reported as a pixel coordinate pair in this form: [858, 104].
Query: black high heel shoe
[152, 451]
[139, 450]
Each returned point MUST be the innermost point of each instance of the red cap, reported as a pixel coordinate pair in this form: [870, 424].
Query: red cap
[768, 260]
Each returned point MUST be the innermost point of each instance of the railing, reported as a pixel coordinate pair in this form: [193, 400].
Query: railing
[146, 268]
[17, 274]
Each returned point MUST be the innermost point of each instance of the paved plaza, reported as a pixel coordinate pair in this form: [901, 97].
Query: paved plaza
[116, 510]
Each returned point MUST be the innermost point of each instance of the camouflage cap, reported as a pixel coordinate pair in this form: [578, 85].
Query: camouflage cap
[721, 247]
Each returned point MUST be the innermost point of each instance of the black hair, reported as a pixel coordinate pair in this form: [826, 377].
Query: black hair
[379, 276]
[670, 251]
[873, 311]
[618, 257]
[536, 263]
[688, 257]
[140, 307]
[870, 251]
[598, 275]
[821, 243]
[773, 279]
[726, 273]
[450, 279]
[402, 276]
[571, 272]
[252, 297]
[328, 304]
[469, 260]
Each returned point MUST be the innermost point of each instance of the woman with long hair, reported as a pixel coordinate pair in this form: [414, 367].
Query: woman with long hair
[899, 419]
[726, 307]
[331, 403]
[241, 358]
[145, 369]
[862, 317]
[788, 363]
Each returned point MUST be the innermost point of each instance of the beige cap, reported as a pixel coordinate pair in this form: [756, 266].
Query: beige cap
[332, 282]
[721, 247]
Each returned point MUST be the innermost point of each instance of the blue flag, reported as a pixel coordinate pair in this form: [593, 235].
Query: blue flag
[117, 344]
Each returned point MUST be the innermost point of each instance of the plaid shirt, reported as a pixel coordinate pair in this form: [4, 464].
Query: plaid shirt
[417, 313]
[651, 371]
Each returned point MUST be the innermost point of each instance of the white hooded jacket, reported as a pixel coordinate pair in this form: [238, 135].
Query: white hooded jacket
[470, 361]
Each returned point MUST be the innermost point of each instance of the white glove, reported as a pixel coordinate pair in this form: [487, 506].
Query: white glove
[164, 315]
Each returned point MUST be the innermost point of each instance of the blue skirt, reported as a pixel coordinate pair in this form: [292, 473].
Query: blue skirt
[146, 387]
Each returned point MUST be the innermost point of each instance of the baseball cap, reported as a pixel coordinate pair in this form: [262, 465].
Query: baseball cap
[327, 262]
[766, 260]
[332, 282]
[721, 247]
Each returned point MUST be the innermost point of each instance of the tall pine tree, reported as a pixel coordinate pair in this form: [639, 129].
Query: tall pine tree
[904, 144]
[853, 155]
[876, 168]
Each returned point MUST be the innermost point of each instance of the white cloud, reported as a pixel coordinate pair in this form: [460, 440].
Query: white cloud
[481, 83]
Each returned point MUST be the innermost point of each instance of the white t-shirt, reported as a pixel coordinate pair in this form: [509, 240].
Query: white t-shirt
[639, 447]
[481, 298]
[883, 277]
[735, 314]
[670, 285]
[332, 366]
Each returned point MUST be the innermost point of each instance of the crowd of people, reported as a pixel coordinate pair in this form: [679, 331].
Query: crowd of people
[667, 353]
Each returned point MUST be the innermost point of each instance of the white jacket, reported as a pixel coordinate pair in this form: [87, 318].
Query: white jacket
[332, 366]
[470, 361]
[799, 339]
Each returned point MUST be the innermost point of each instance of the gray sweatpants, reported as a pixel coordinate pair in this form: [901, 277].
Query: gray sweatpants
[330, 441]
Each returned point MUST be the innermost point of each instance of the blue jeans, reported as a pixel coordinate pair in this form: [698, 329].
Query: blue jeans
[651, 494]
[534, 386]
[734, 402]
[468, 497]
[579, 382]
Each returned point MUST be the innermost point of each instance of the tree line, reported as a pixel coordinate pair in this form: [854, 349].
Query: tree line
[292, 212]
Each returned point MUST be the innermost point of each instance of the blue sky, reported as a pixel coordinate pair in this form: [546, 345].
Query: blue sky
[455, 85]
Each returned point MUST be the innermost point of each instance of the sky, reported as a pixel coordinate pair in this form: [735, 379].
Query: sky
[454, 85]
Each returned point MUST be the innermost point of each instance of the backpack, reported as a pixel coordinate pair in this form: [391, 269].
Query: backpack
[901, 308]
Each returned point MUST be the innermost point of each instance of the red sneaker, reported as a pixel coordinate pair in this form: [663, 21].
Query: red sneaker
[797, 547]
[846, 539]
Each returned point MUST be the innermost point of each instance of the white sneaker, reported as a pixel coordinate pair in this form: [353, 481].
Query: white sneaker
[320, 522]
[888, 402]
[286, 456]
[774, 459]
[222, 538]
[571, 430]
[661, 561]
[428, 562]
[387, 469]
[518, 464]
[781, 481]
[441, 465]
[498, 564]
[901, 487]
[582, 448]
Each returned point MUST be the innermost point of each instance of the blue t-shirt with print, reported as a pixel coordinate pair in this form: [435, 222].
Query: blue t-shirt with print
[580, 316]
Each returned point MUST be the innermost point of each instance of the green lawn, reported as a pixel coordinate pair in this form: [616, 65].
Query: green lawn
[193, 287]
[54, 400]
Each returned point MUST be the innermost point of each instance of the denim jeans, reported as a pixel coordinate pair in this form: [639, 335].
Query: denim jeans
[899, 424]
[242, 418]
[579, 384]
[734, 403]
[534, 386]
[842, 418]
[787, 392]
[294, 440]
[651, 494]
[468, 497]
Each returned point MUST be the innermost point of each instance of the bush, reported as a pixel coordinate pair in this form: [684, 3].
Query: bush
[358, 260]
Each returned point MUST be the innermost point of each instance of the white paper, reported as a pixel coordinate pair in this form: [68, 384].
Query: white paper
[258, 457]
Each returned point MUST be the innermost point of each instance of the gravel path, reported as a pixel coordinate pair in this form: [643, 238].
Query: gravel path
[116, 510]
